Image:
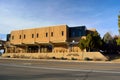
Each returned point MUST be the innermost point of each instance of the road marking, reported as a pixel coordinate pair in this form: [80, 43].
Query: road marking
[63, 69]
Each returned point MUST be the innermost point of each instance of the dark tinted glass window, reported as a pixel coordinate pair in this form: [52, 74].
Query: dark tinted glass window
[8, 37]
[77, 31]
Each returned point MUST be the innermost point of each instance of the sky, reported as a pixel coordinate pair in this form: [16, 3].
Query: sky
[23, 14]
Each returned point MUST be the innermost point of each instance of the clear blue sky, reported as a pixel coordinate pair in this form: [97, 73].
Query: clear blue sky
[21, 14]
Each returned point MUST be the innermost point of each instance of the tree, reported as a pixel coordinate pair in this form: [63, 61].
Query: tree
[118, 45]
[118, 41]
[97, 40]
[119, 24]
[110, 44]
[89, 42]
[93, 42]
[82, 44]
[108, 38]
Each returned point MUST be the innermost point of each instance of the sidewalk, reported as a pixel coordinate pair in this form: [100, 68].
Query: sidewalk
[79, 61]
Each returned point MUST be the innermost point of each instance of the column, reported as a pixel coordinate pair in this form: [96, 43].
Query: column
[26, 50]
[6, 51]
[39, 49]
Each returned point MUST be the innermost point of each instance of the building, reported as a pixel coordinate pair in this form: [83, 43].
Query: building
[55, 39]
[2, 46]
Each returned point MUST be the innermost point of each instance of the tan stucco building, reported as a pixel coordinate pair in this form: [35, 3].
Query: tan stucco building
[55, 39]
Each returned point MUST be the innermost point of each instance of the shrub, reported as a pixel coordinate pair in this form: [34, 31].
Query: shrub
[63, 58]
[87, 59]
[53, 57]
[73, 58]
[7, 56]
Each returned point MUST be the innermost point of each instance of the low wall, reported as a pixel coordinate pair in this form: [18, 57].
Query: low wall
[94, 55]
[75, 55]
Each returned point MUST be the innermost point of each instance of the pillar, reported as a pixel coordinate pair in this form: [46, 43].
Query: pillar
[39, 49]
[26, 50]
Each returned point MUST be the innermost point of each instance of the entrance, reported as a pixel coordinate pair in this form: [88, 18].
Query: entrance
[32, 49]
[46, 48]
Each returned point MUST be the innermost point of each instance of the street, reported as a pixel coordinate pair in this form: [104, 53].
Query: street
[15, 69]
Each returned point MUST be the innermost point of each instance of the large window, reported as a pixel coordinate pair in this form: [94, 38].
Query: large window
[77, 31]
[73, 33]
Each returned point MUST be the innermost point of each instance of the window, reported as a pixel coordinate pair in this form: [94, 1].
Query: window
[73, 34]
[24, 36]
[77, 31]
[80, 33]
[46, 34]
[51, 34]
[32, 35]
[37, 35]
[20, 37]
[62, 33]
[12, 37]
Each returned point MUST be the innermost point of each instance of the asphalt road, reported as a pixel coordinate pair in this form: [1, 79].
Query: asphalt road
[13, 69]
